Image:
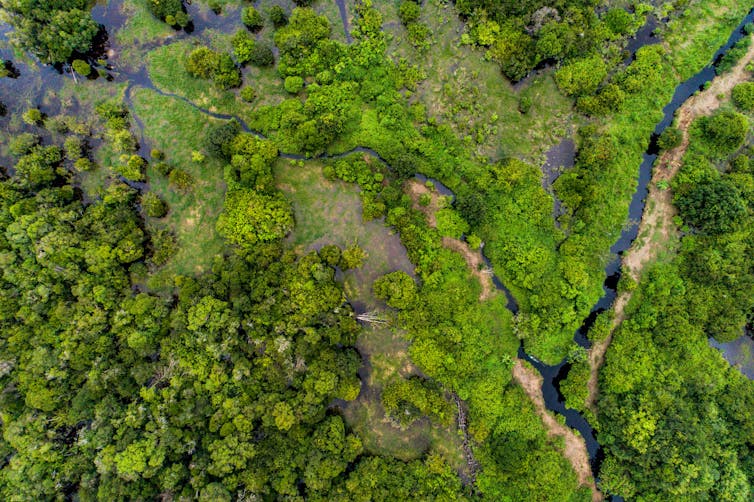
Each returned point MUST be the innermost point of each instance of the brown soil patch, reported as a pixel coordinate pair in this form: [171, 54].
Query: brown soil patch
[657, 225]
[575, 448]
[474, 259]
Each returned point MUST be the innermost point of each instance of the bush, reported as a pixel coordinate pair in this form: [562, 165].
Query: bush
[243, 46]
[713, 208]
[330, 254]
[670, 138]
[181, 180]
[83, 164]
[157, 154]
[81, 67]
[352, 257]
[202, 62]
[409, 12]
[164, 246]
[398, 289]
[163, 168]
[22, 143]
[32, 116]
[153, 206]
[724, 132]
[262, 55]
[219, 137]
[418, 35]
[249, 217]
[582, 76]
[524, 104]
[743, 96]
[134, 168]
[248, 94]
[618, 21]
[294, 84]
[252, 19]
[161, 9]
[74, 147]
[278, 17]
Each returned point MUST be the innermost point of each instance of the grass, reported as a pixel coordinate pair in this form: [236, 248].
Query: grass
[140, 28]
[329, 212]
[177, 128]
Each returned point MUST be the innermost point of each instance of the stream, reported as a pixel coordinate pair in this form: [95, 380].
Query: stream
[28, 89]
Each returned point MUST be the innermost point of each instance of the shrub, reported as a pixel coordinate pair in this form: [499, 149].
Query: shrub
[398, 289]
[249, 217]
[618, 21]
[153, 206]
[219, 137]
[180, 179]
[74, 147]
[724, 132]
[243, 45]
[714, 207]
[743, 96]
[262, 55]
[248, 94]
[157, 154]
[32, 116]
[294, 84]
[163, 168]
[164, 245]
[330, 254]
[81, 67]
[409, 12]
[582, 76]
[670, 138]
[161, 9]
[418, 35]
[524, 104]
[278, 17]
[22, 143]
[202, 62]
[352, 257]
[83, 164]
[252, 19]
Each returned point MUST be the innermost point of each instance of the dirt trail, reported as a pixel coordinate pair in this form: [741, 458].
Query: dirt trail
[575, 448]
[657, 225]
[474, 259]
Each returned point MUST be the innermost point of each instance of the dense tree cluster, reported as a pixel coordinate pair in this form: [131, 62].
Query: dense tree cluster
[53, 31]
[203, 62]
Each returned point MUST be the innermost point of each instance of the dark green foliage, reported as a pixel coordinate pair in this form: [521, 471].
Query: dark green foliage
[248, 94]
[252, 19]
[670, 138]
[715, 207]
[162, 168]
[278, 17]
[219, 137]
[330, 254]
[261, 55]
[53, 31]
[162, 9]
[743, 96]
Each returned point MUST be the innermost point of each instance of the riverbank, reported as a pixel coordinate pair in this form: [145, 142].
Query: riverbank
[657, 229]
[574, 448]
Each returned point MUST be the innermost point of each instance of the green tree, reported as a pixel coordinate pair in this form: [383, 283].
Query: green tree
[398, 289]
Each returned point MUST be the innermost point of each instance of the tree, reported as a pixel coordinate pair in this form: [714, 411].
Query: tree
[252, 19]
[723, 132]
[409, 12]
[714, 207]
[153, 205]
[670, 138]
[352, 257]
[397, 288]
[278, 17]
[294, 84]
[262, 55]
[743, 96]
[249, 217]
[582, 76]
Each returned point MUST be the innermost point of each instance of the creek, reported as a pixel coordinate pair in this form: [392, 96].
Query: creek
[36, 80]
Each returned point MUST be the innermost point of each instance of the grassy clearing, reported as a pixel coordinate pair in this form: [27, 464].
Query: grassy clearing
[329, 212]
[470, 94]
[176, 128]
[140, 28]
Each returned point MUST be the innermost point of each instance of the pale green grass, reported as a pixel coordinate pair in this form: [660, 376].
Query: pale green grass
[177, 129]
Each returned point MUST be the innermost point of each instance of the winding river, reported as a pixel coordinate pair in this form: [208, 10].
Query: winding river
[111, 17]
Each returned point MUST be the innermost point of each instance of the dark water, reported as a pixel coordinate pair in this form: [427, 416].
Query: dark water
[559, 158]
[344, 17]
[739, 353]
[644, 36]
